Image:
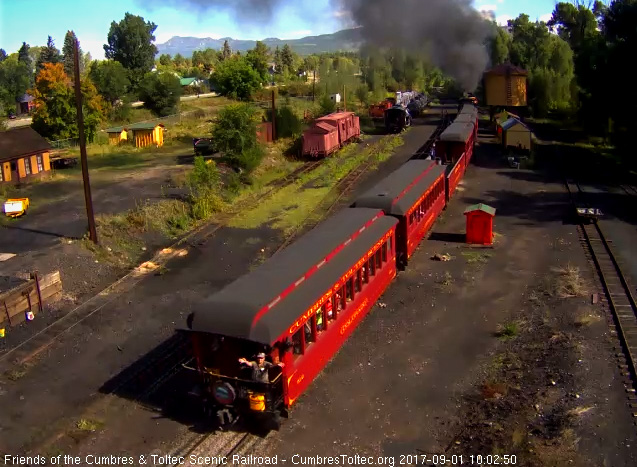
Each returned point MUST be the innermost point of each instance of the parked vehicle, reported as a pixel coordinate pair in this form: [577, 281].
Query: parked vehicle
[203, 146]
[16, 207]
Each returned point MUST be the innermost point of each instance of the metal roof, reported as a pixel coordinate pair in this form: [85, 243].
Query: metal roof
[323, 126]
[261, 305]
[480, 207]
[400, 190]
[505, 69]
[457, 132]
[511, 123]
[21, 142]
[465, 118]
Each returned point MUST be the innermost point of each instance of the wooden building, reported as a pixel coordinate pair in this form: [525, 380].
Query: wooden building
[24, 155]
[516, 134]
[140, 134]
[505, 86]
[117, 135]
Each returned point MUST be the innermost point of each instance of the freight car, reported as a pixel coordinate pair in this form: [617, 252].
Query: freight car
[330, 133]
[296, 310]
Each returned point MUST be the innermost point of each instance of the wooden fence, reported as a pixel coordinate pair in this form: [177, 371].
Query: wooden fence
[30, 296]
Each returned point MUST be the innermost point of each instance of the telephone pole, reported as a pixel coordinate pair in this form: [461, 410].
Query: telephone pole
[80, 126]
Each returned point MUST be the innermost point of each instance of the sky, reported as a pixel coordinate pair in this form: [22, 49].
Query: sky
[33, 20]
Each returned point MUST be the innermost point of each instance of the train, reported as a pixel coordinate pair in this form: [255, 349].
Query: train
[397, 119]
[259, 343]
[330, 133]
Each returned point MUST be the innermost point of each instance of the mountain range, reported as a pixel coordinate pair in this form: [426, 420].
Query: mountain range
[345, 40]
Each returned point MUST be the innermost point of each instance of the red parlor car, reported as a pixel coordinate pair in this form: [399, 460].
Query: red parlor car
[415, 195]
[297, 309]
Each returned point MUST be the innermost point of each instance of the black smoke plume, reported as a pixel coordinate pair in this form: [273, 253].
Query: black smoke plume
[451, 33]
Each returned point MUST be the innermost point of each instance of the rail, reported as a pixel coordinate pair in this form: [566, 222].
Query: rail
[614, 283]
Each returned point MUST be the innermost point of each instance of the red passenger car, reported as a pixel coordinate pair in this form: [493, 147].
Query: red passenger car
[455, 142]
[415, 194]
[297, 308]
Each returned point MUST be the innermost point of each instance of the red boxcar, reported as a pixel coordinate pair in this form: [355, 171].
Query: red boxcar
[347, 123]
[415, 194]
[298, 308]
[330, 133]
[320, 140]
[454, 175]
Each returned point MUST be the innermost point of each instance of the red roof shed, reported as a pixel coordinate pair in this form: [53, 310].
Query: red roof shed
[480, 224]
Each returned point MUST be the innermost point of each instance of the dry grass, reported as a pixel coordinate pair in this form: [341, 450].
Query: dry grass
[568, 282]
[16, 373]
[446, 280]
[585, 318]
[476, 257]
[88, 425]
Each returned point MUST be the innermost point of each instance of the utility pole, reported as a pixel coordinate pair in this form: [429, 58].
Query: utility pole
[314, 85]
[344, 100]
[273, 117]
[80, 126]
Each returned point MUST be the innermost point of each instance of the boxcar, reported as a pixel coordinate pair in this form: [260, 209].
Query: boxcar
[346, 123]
[320, 140]
[454, 175]
[415, 195]
[471, 120]
[455, 141]
[298, 308]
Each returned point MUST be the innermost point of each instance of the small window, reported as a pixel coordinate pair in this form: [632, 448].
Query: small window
[384, 252]
[298, 342]
[365, 272]
[371, 267]
[40, 163]
[340, 300]
[1, 173]
[349, 289]
[27, 165]
[310, 330]
[389, 244]
[379, 262]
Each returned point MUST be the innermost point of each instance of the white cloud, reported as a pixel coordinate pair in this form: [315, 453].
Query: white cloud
[546, 17]
[502, 19]
[487, 7]
[94, 46]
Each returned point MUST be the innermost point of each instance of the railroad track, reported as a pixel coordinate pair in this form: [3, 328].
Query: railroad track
[618, 295]
[629, 189]
[423, 151]
[229, 444]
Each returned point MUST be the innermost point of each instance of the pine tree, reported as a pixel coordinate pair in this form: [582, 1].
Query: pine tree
[278, 61]
[49, 54]
[68, 51]
[227, 51]
[23, 55]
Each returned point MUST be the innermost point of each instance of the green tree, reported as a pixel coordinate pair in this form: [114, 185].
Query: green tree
[258, 59]
[15, 79]
[499, 45]
[179, 61]
[130, 42]
[55, 116]
[164, 59]
[110, 79]
[235, 135]
[287, 59]
[160, 93]
[48, 54]
[68, 53]
[235, 78]
[278, 60]
[23, 55]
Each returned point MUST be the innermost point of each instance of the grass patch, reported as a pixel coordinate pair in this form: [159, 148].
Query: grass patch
[290, 206]
[446, 280]
[86, 424]
[16, 374]
[569, 283]
[507, 331]
[474, 257]
[585, 318]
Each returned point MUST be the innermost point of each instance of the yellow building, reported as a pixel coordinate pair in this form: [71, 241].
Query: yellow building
[140, 134]
[117, 135]
[24, 155]
[505, 86]
[516, 134]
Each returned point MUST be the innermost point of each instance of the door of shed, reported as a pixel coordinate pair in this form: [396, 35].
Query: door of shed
[480, 224]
